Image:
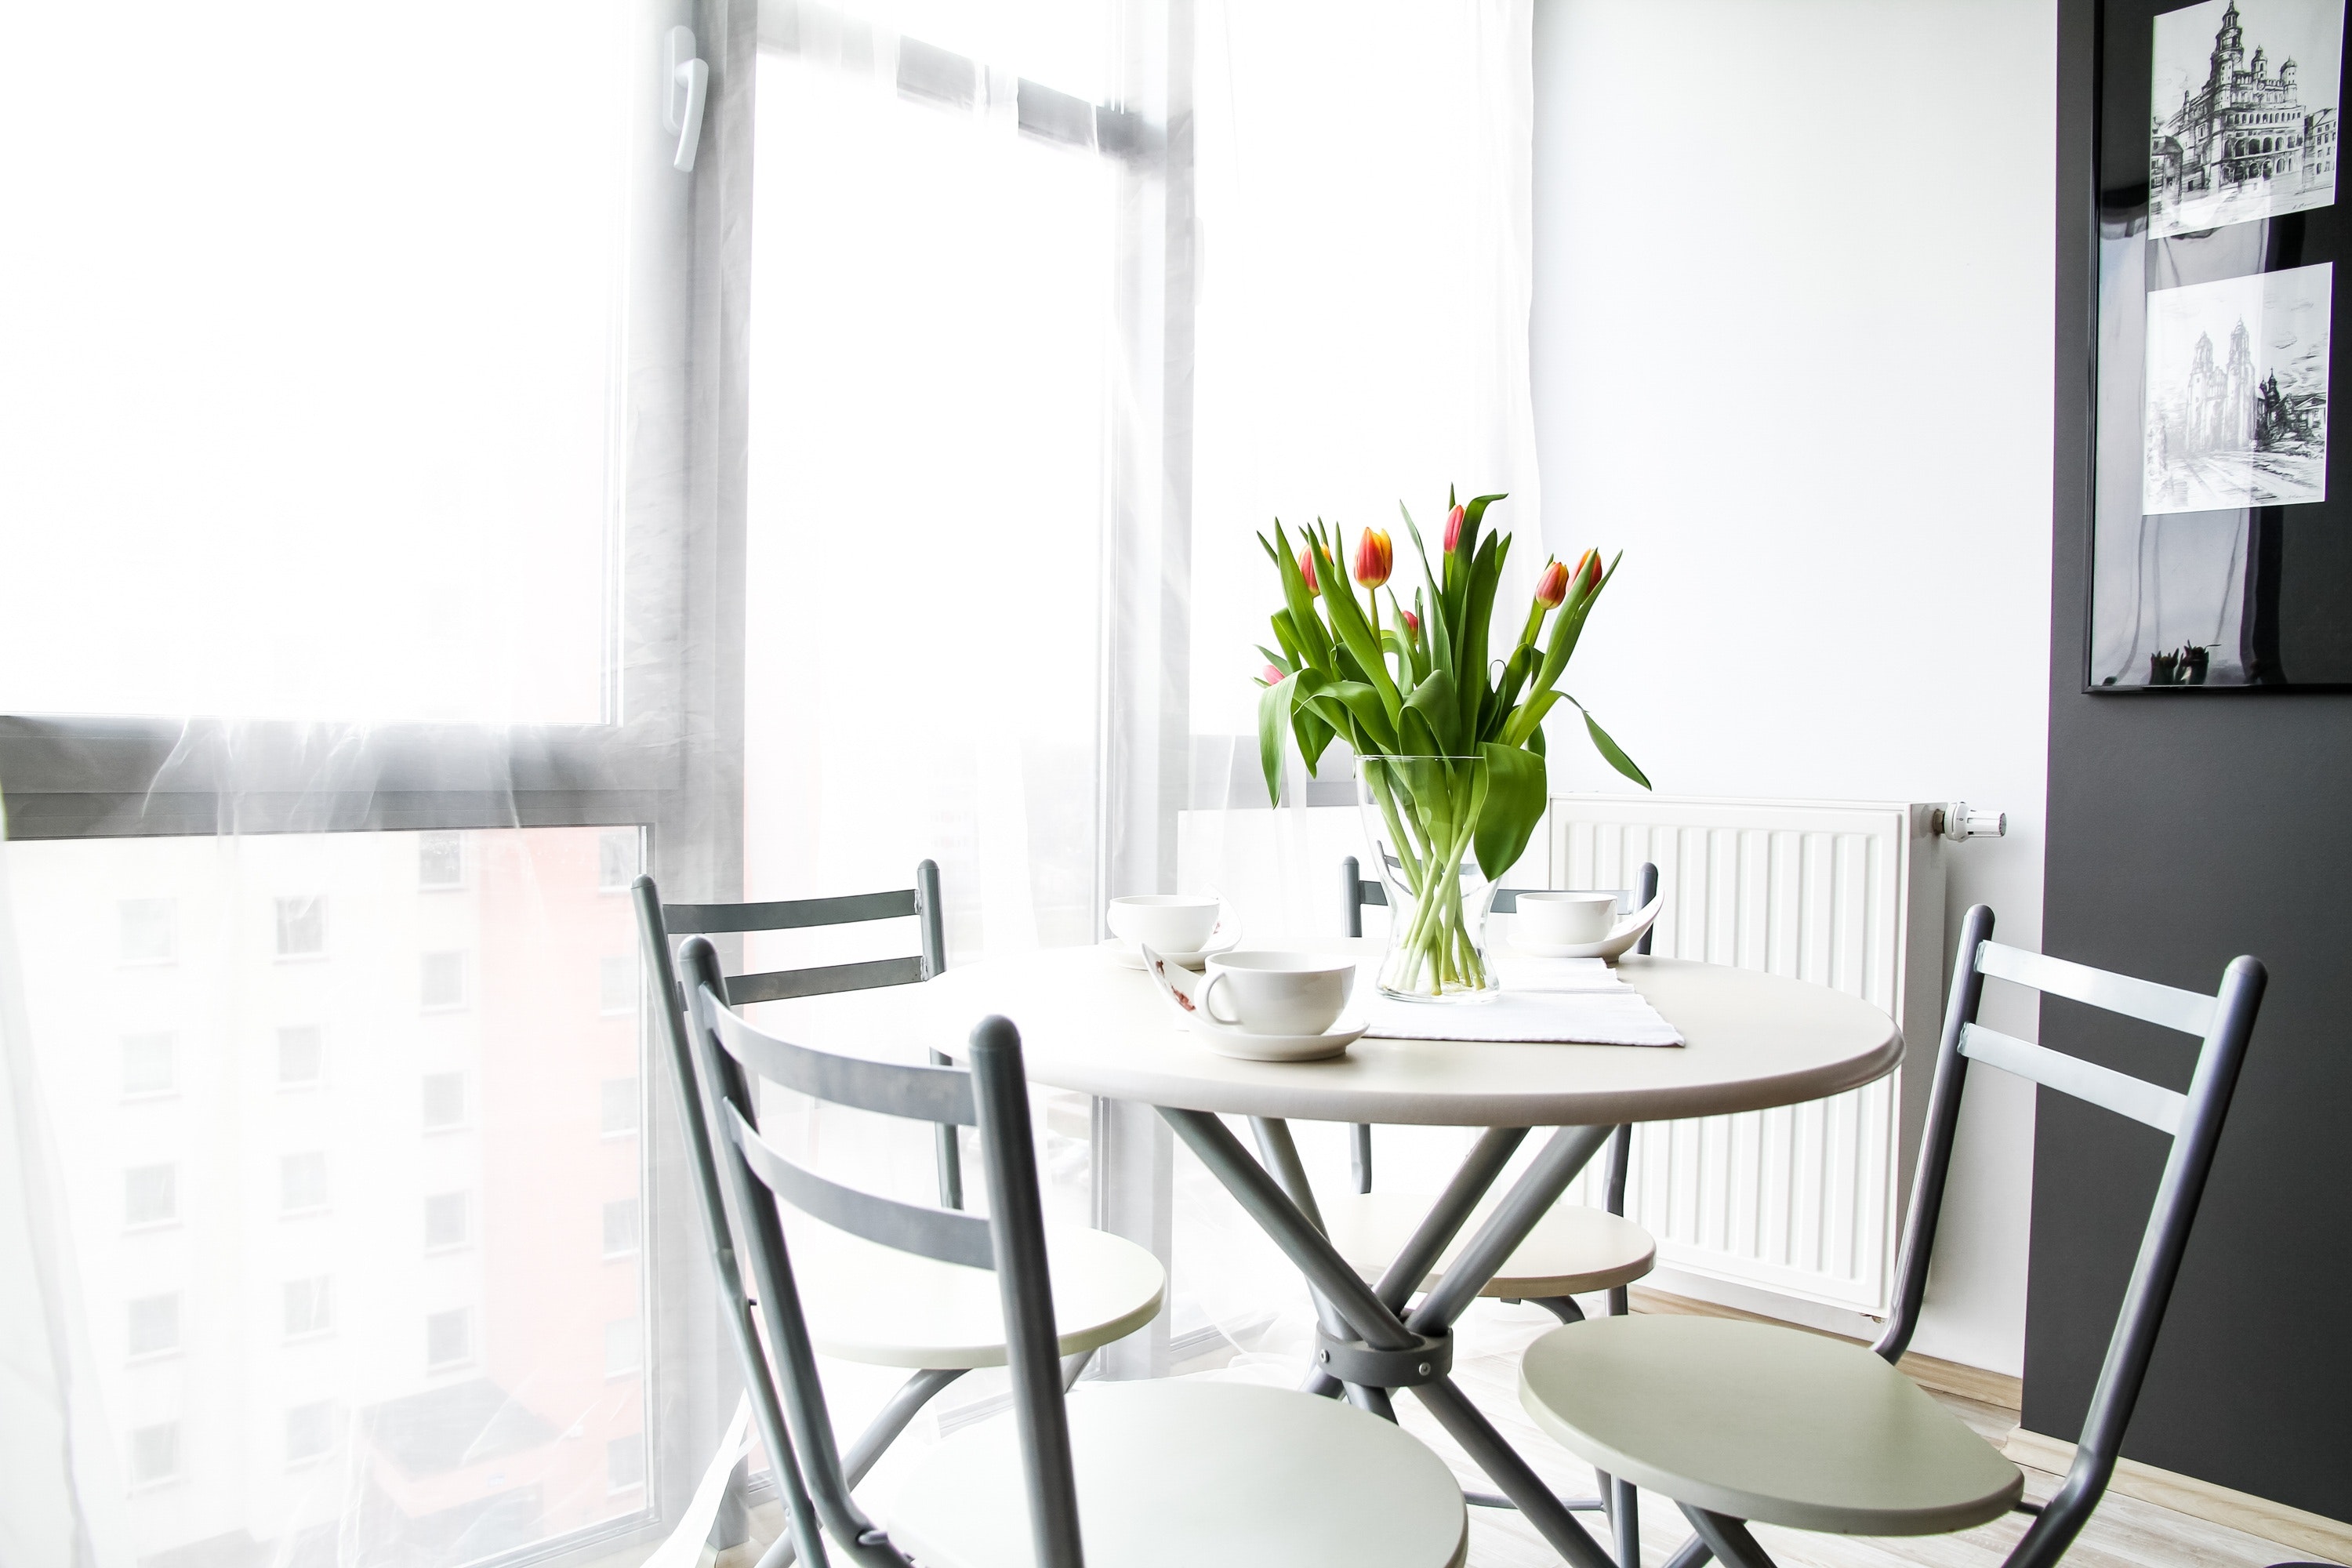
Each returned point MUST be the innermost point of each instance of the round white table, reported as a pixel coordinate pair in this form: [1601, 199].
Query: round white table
[1088, 1024]
[1754, 1041]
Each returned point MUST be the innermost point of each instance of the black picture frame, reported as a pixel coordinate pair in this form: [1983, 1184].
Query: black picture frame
[2214, 353]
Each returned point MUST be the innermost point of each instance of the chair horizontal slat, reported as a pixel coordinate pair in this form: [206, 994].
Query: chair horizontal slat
[941, 1233]
[2119, 1092]
[1506, 899]
[893, 1089]
[2167, 1006]
[782, 984]
[786, 914]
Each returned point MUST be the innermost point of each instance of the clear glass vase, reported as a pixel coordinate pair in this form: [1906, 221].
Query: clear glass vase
[1420, 816]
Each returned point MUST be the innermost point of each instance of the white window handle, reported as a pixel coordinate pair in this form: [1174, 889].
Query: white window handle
[690, 85]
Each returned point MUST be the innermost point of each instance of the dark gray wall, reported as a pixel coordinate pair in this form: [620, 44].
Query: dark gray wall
[2186, 828]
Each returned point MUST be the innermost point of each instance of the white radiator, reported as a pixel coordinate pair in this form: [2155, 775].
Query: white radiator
[1807, 1199]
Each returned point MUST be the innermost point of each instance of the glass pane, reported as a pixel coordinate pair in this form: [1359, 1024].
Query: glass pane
[312, 356]
[376, 1294]
[928, 422]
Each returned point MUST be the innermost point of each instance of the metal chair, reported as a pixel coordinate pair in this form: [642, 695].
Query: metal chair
[871, 1304]
[921, 902]
[1573, 1250]
[1740, 1422]
[1166, 1471]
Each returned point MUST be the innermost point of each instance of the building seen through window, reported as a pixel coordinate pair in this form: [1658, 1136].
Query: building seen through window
[147, 1063]
[301, 928]
[450, 1085]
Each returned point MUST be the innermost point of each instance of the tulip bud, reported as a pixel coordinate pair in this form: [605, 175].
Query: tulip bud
[1271, 676]
[1411, 625]
[1307, 569]
[1587, 571]
[1552, 587]
[1452, 529]
[1374, 557]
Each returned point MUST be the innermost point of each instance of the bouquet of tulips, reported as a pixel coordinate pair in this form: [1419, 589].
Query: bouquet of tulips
[1449, 738]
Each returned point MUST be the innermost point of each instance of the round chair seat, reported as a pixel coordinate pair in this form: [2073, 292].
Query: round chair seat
[869, 1303]
[1179, 1474]
[1763, 1423]
[1571, 1250]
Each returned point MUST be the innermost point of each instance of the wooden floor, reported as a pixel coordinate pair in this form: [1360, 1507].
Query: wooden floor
[2125, 1532]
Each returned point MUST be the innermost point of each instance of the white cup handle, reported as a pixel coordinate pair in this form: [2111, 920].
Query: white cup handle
[1209, 1004]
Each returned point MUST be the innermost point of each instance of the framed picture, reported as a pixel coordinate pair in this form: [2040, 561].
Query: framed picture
[2222, 550]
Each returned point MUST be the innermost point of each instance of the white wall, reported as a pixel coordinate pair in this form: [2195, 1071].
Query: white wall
[1791, 351]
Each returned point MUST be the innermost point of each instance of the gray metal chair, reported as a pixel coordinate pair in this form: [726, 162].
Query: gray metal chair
[921, 902]
[1167, 1471]
[872, 1304]
[1573, 1250]
[1740, 1422]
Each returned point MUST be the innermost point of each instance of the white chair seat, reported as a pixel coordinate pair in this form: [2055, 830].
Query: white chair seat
[869, 1303]
[1763, 1423]
[1571, 1250]
[1179, 1474]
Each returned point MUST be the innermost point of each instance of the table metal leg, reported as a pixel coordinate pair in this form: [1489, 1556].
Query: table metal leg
[1530, 1198]
[1449, 1214]
[1543, 1510]
[1277, 1196]
[1280, 1150]
[1308, 1250]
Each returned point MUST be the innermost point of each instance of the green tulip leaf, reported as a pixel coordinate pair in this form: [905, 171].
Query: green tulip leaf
[1272, 716]
[1435, 701]
[1614, 753]
[1514, 807]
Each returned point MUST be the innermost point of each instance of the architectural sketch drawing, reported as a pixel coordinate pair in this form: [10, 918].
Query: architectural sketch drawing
[2242, 120]
[2236, 410]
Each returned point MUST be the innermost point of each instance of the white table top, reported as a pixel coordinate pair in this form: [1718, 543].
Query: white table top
[1754, 1040]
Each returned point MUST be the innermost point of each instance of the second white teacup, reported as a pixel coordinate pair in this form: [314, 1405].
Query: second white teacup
[1277, 993]
[1169, 922]
[1565, 920]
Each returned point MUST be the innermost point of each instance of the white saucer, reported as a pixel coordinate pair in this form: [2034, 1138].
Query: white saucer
[1127, 956]
[1612, 947]
[1231, 1042]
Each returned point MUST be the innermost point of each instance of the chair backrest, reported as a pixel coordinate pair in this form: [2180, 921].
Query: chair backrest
[661, 924]
[729, 1058]
[2223, 1022]
[921, 902]
[1358, 889]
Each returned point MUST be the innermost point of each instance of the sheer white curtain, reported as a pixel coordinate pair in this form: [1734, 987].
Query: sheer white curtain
[343, 679]
[1363, 329]
[1365, 284]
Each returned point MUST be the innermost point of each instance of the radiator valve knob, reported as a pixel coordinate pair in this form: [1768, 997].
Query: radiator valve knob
[1958, 822]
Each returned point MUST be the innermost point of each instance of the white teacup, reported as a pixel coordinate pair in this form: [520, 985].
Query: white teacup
[1276, 993]
[1170, 922]
[1565, 920]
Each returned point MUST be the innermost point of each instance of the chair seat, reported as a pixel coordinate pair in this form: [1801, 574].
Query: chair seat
[1763, 1423]
[870, 1303]
[1571, 1250]
[1180, 1474]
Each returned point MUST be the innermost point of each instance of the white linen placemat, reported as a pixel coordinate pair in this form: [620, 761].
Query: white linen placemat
[1576, 1009]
